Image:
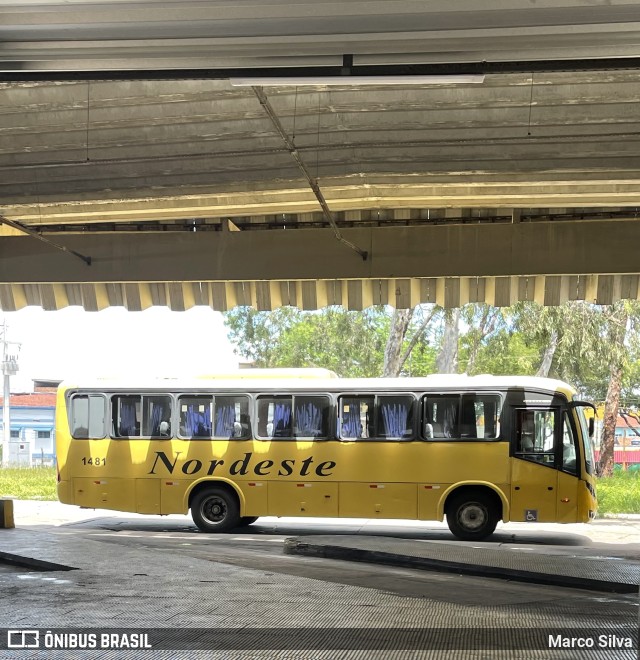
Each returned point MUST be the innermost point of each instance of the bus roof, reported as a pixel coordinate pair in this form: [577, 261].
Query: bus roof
[283, 382]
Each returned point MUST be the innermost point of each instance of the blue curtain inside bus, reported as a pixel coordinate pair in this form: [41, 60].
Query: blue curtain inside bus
[395, 417]
[308, 418]
[282, 420]
[156, 418]
[225, 420]
[351, 424]
[128, 417]
[197, 424]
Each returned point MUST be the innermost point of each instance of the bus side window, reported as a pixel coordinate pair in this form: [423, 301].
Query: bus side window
[231, 417]
[311, 416]
[487, 416]
[274, 417]
[535, 434]
[395, 417]
[156, 418]
[195, 416]
[468, 416]
[355, 417]
[441, 413]
[468, 428]
[125, 414]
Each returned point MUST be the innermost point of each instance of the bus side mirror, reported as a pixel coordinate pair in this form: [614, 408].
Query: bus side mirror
[592, 420]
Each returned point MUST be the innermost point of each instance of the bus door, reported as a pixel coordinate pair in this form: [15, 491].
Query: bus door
[567, 459]
[534, 477]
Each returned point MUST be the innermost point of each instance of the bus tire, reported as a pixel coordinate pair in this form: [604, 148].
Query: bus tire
[247, 520]
[472, 515]
[215, 510]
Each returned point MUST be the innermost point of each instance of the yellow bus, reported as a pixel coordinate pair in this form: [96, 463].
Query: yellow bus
[475, 450]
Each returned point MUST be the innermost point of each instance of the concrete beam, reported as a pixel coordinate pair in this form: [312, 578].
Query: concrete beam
[488, 250]
[308, 268]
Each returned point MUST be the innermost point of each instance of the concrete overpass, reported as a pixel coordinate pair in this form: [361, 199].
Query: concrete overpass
[139, 167]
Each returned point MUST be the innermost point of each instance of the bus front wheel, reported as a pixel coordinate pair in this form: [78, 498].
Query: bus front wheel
[472, 515]
[215, 510]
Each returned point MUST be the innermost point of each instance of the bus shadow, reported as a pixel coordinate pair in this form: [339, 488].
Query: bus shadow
[434, 532]
[426, 533]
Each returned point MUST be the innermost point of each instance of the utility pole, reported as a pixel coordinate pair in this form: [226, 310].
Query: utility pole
[9, 368]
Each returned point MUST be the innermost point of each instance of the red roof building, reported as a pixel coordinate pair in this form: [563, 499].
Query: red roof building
[33, 400]
[32, 434]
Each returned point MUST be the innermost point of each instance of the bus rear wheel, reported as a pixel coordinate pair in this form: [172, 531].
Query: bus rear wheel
[472, 515]
[215, 510]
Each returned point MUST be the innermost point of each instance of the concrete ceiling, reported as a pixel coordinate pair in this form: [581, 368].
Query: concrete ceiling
[124, 141]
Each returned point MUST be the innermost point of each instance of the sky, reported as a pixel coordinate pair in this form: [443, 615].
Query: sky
[73, 343]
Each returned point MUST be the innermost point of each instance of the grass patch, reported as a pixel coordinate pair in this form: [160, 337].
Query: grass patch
[619, 493]
[37, 483]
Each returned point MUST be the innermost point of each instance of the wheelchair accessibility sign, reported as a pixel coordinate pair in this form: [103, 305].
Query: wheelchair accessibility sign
[531, 515]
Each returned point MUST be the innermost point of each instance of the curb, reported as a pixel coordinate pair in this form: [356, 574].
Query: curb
[294, 547]
[29, 562]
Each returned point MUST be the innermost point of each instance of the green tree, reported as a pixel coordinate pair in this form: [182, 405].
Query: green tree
[482, 323]
[256, 333]
[571, 343]
[408, 337]
[347, 342]
[622, 321]
[393, 355]
[506, 353]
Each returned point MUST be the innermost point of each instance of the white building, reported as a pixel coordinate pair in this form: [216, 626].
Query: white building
[32, 418]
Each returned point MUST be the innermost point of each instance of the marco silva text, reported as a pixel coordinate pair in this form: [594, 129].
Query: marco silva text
[604, 641]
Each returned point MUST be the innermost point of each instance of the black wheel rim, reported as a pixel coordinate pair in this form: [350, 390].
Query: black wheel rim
[214, 510]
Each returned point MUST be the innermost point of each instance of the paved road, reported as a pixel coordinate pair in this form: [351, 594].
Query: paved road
[260, 545]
